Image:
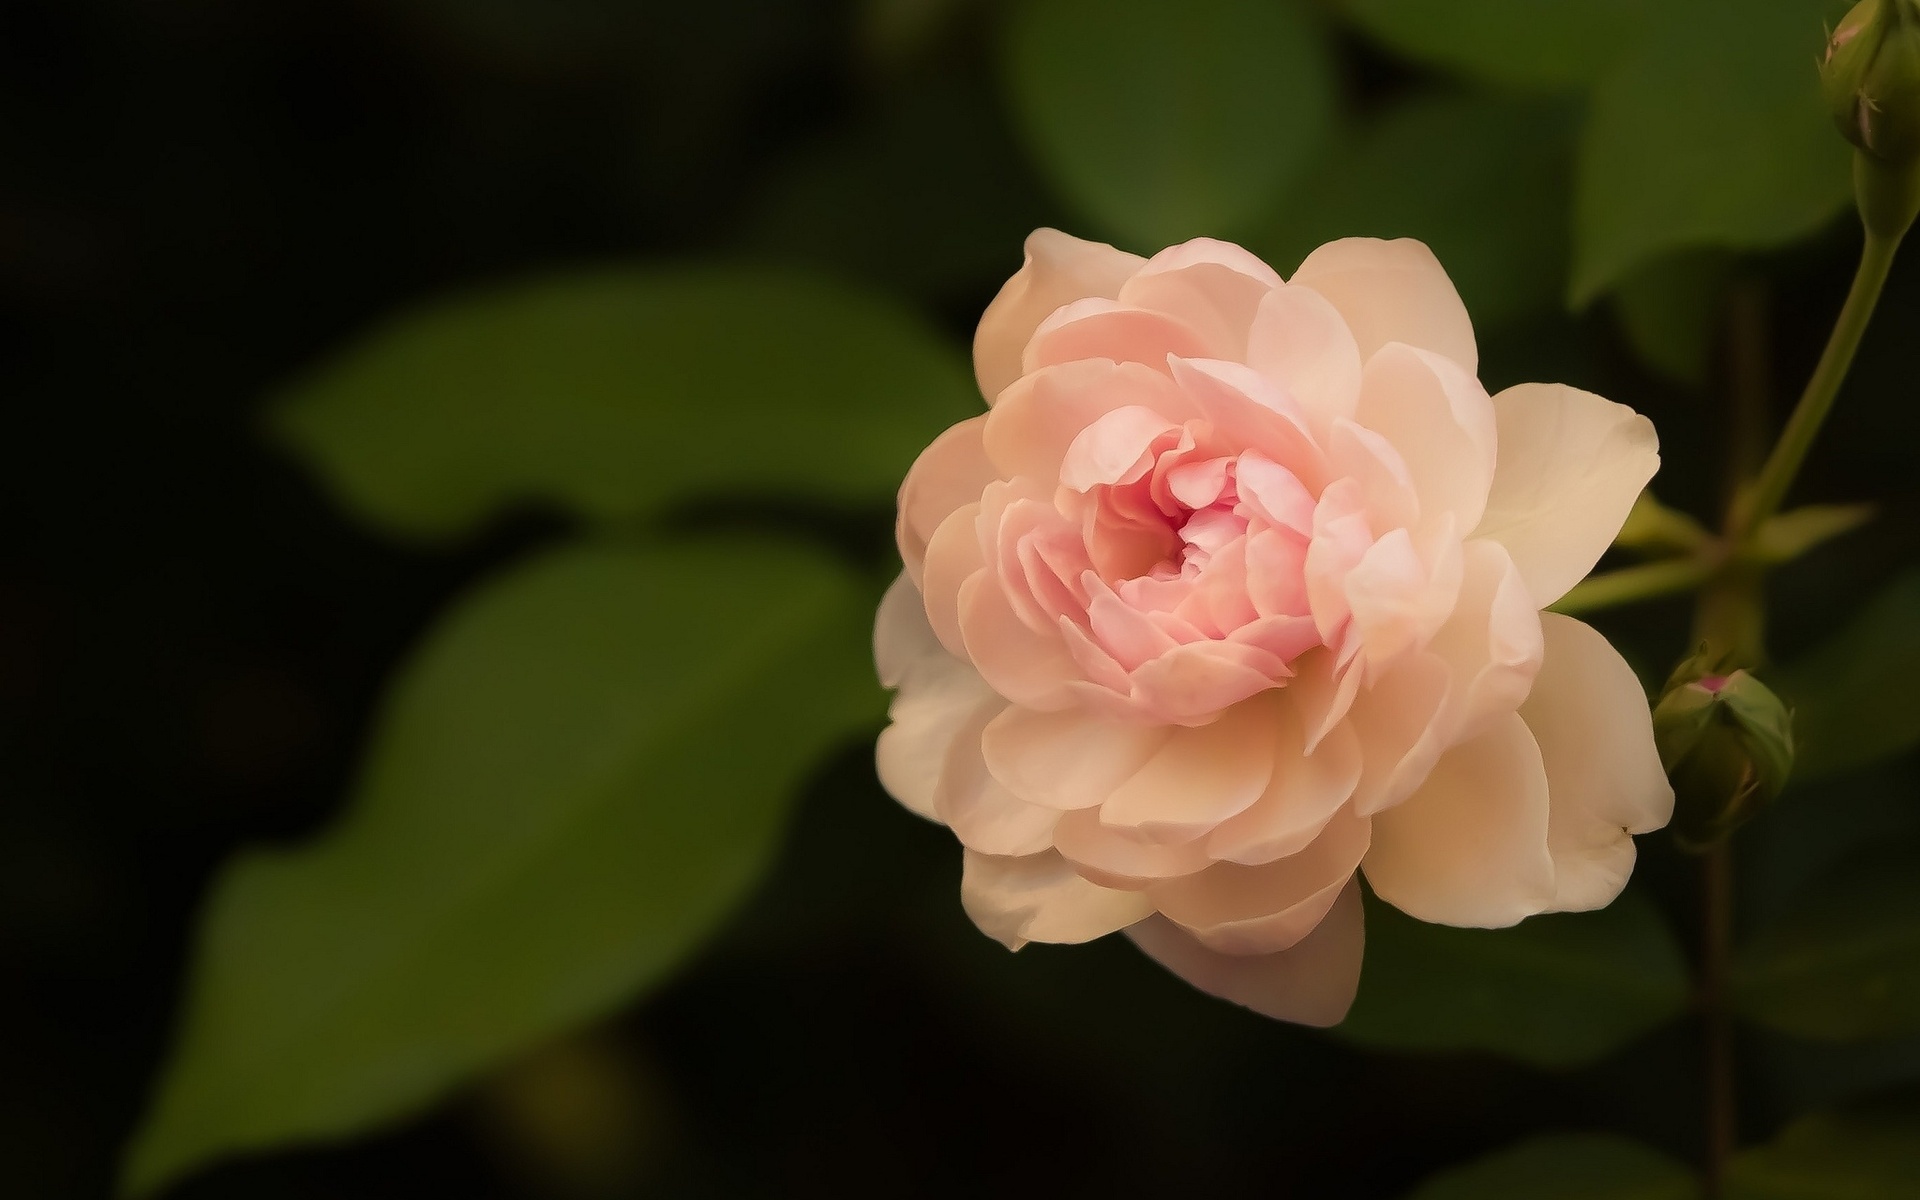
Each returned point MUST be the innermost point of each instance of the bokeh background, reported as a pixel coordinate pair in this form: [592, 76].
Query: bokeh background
[203, 200]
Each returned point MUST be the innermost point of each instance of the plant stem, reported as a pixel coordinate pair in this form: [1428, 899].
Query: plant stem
[1629, 584]
[1716, 922]
[1769, 490]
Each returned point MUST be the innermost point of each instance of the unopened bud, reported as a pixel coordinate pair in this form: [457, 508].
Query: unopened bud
[1871, 79]
[1726, 742]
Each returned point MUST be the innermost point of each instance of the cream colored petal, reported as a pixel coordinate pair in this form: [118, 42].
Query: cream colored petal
[1440, 420]
[1392, 291]
[1305, 792]
[1038, 417]
[1059, 269]
[953, 557]
[1401, 721]
[1313, 983]
[982, 813]
[1492, 642]
[1040, 898]
[901, 635]
[938, 698]
[1301, 342]
[1213, 287]
[1097, 328]
[949, 474]
[1604, 781]
[1120, 858]
[1235, 909]
[1199, 777]
[1470, 846]
[1028, 667]
[1571, 465]
[1068, 759]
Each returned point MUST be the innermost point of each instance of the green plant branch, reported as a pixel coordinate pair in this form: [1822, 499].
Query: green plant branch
[1649, 581]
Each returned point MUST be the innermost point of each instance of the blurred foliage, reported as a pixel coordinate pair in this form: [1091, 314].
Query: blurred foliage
[619, 234]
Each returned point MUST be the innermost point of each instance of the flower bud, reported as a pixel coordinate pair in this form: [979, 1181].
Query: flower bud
[1726, 742]
[1871, 77]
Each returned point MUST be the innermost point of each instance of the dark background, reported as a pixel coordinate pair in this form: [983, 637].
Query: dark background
[200, 198]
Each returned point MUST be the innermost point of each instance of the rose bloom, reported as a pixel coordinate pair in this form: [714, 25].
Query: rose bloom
[1236, 591]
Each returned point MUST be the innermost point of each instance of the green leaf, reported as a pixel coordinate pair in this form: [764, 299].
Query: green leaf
[1485, 182]
[1852, 696]
[1169, 121]
[1717, 138]
[576, 778]
[1521, 43]
[1844, 961]
[613, 393]
[1568, 1166]
[1671, 311]
[1554, 991]
[1858, 1157]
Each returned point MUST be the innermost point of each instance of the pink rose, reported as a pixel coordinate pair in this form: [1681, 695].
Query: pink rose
[1236, 590]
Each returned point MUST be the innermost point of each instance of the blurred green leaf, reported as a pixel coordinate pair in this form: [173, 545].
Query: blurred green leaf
[1554, 991]
[1567, 1166]
[1813, 828]
[1522, 43]
[1671, 311]
[1844, 961]
[1485, 182]
[580, 773]
[1169, 121]
[1852, 696]
[1717, 138]
[1859, 1157]
[931, 196]
[615, 392]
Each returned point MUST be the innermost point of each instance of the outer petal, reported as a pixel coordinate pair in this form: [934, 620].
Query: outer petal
[1214, 287]
[1059, 269]
[1492, 643]
[901, 635]
[1200, 777]
[1311, 984]
[1393, 291]
[1300, 342]
[938, 700]
[1305, 792]
[949, 474]
[1069, 759]
[1571, 466]
[1439, 418]
[1604, 781]
[1040, 415]
[1040, 898]
[1025, 666]
[982, 813]
[1470, 846]
[1097, 328]
[1265, 909]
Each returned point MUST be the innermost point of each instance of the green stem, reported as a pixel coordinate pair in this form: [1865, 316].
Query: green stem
[1717, 937]
[1769, 490]
[1629, 584]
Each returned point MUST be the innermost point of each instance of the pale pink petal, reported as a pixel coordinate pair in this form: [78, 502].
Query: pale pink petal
[1189, 684]
[1097, 328]
[1274, 493]
[981, 811]
[1401, 721]
[1212, 286]
[1235, 909]
[937, 700]
[1037, 418]
[1604, 781]
[1341, 538]
[1118, 447]
[1492, 643]
[1277, 574]
[1248, 412]
[1441, 421]
[953, 557]
[1392, 291]
[1323, 691]
[1117, 858]
[1301, 342]
[1041, 898]
[1069, 759]
[1470, 846]
[1026, 667]
[901, 635]
[1059, 269]
[1305, 792]
[1199, 777]
[1311, 984]
[1386, 592]
[948, 475]
[1571, 466]
[1364, 460]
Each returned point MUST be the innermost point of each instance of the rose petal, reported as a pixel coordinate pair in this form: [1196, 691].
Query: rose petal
[1026, 667]
[936, 702]
[1604, 781]
[1059, 269]
[1440, 420]
[1068, 759]
[1311, 984]
[1116, 858]
[1392, 291]
[1096, 328]
[1211, 286]
[1119, 447]
[1401, 721]
[1305, 792]
[1249, 412]
[1198, 778]
[1040, 898]
[953, 557]
[1470, 846]
[1038, 416]
[1235, 909]
[1492, 642]
[901, 635]
[1301, 342]
[948, 475]
[1571, 465]
[982, 813]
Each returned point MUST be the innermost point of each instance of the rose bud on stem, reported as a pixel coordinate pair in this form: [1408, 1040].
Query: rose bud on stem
[1726, 742]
